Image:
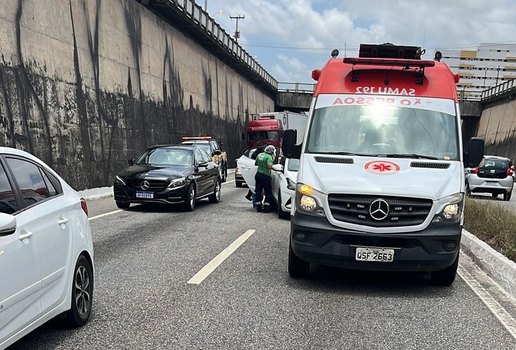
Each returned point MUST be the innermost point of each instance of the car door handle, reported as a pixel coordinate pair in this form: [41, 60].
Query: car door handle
[62, 221]
[24, 235]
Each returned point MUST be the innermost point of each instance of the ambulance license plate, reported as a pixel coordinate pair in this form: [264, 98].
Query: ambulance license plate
[374, 254]
[147, 195]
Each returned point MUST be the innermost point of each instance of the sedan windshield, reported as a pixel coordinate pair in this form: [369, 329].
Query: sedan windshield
[167, 156]
[385, 130]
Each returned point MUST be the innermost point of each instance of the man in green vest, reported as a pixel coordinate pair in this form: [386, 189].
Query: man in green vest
[264, 163]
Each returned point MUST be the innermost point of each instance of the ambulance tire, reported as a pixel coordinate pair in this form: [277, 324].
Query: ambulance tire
[468, 190]
[297, 268]
[445, 277]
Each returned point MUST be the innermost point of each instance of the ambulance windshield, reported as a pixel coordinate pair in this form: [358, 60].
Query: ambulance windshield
[380, 126]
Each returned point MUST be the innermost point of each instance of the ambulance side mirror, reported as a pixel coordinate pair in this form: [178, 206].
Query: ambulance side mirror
[289, 147]
[475, 152]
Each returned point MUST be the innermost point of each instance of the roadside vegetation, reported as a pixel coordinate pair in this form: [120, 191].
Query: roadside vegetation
[492, 223]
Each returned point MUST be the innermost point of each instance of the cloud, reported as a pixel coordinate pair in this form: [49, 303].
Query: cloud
[291, 37]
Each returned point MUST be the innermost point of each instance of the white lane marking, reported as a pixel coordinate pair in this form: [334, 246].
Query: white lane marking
[498, 311]
[219, 259]
[105, 214]
[228, 182]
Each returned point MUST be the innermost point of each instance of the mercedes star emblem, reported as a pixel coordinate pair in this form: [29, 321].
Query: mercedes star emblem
[145, 185]
[379, 209]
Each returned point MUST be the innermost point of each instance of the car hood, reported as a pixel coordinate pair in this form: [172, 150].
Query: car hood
[389, 176]
[159, 172]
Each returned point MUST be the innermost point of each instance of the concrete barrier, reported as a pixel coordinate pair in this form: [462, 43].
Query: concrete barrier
[498, 267]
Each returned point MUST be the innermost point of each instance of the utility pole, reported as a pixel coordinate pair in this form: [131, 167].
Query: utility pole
[237, 33]
[205, 5]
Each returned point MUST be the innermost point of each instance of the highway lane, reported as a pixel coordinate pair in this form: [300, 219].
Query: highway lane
[145, 257]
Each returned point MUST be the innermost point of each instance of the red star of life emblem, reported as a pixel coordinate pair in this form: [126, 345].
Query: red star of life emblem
[382, 167]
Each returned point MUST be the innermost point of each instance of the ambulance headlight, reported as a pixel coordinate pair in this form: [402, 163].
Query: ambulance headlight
[450, 209]
[307, 203]
[306, 200]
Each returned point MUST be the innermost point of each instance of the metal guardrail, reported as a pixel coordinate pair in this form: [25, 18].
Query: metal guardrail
[202, 18]
[499, 90]
[303, 88]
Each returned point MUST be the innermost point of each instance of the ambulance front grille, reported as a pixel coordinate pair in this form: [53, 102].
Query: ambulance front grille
[355, 209]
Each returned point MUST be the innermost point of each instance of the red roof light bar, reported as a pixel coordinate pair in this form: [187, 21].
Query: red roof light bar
[389, 62]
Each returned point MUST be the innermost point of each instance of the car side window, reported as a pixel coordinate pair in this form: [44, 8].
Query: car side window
[198, 156]
[51, 189]
[8, 204]
[31, 181]
[205, 156]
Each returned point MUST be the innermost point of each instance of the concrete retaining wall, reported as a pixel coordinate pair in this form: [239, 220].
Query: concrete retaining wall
[498, 127]
[87, 84]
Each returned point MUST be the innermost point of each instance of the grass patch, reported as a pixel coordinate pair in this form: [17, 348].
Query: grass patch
[492, 223]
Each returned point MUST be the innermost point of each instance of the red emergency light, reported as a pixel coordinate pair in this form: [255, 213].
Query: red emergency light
[315, 74]
[388, 62]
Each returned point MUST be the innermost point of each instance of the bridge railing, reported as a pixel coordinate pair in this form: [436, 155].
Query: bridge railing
[202, 18]
[499, 90]
[302, 88]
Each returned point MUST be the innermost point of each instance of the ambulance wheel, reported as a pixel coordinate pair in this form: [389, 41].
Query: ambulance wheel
[297, 268]
[447, 276]
[468, 190]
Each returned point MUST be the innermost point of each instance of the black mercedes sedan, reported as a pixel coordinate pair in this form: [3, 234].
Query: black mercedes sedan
[168, 174]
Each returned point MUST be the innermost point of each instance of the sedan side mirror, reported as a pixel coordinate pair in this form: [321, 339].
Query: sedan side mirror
[130, 162]
[202, 165]
[277, 167]
[7, 224]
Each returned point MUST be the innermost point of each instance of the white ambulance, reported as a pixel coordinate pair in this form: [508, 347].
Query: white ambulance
[381, 176]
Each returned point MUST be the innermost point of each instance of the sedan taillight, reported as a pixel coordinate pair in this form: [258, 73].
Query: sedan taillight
[509, 171]
[84, 206]
[474, 170]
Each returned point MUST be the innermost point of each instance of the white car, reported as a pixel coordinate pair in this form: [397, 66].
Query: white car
[284, 184]
[46, 248]
[493, 175]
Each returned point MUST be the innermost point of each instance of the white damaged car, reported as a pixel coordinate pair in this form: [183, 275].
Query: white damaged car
[284, 185]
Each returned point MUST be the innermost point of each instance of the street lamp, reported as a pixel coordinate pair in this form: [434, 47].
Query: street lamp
[237, 33]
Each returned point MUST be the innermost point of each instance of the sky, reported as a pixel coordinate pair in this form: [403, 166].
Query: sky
[290, 38]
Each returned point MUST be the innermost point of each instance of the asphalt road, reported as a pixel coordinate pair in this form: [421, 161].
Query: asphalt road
[145, 256]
